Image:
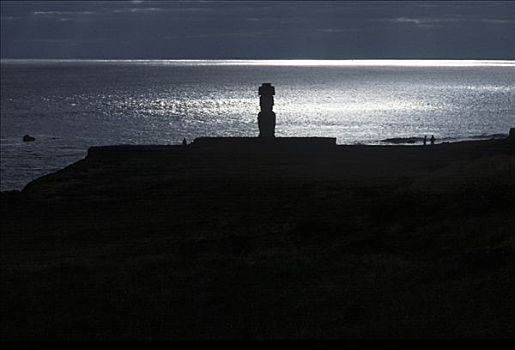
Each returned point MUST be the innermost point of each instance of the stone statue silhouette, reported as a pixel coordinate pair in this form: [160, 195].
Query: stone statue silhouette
[266, 118]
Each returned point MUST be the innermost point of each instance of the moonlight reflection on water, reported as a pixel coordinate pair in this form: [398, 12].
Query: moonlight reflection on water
[72, 105]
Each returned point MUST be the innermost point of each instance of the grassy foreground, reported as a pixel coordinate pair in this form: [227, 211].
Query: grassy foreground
[183, 243]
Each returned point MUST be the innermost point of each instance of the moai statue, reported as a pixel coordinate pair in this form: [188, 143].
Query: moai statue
[266, 118]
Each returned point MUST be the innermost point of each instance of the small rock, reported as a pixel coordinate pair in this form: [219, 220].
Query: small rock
[28, 138]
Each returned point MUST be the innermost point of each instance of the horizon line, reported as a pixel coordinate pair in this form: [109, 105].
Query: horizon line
[288, 62]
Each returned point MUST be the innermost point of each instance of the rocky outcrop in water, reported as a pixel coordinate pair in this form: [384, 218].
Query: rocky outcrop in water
[28, 138]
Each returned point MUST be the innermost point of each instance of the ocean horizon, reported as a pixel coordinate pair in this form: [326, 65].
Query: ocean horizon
[69, 105]
[408, 62]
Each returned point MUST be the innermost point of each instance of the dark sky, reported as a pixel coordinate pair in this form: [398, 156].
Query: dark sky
[258, 29]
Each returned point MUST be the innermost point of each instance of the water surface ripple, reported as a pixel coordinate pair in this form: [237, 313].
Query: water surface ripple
[71, 105]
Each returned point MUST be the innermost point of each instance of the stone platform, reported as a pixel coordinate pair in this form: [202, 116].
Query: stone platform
[256, 144]
[219, 145]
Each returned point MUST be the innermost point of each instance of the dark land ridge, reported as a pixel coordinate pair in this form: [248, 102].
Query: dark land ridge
[255, 239]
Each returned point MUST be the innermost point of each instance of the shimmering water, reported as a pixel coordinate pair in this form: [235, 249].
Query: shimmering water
[71, 105]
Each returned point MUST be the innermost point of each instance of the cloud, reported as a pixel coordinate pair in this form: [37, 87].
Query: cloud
[258, 29]
[147, 9]
[170, 9]
[498, 21]
[62, 13]
[140, 10]
[432, 21]
[336, 30]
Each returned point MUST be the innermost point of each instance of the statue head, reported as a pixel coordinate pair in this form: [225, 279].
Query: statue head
[266, 89]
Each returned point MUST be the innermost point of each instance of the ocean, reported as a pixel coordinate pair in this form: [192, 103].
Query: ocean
[71, 105]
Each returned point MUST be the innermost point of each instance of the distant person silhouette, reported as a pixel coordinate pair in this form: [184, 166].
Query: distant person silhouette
[184, 142]
[432, 139]
[425, 140]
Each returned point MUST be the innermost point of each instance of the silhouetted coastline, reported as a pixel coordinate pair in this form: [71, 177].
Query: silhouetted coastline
[194, 242]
